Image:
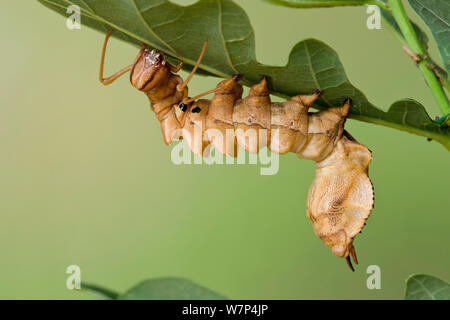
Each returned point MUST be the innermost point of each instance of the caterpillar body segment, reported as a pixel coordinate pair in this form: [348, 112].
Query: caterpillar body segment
[325, 128]
[219, 118]
[251, 118]
[194, 127]
[341, 196]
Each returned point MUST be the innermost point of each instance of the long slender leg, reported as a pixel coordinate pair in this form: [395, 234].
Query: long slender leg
[199, 96]
[181, 87]
[110, 79]
[236, 77]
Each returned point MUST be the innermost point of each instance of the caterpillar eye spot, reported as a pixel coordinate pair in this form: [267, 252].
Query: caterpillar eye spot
[183, 107]
[196, 110]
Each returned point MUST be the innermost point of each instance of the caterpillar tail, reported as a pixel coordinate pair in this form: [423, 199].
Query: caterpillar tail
[341, 197]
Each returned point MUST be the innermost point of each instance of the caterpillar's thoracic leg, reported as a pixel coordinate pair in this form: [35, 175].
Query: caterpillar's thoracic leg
[112, 78]
[177, 68]
[197, 64]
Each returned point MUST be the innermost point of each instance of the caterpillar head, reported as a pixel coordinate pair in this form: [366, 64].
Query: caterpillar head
[149, 69]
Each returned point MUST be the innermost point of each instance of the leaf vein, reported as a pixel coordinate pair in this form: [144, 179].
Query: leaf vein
[141, 17]
[227, 54]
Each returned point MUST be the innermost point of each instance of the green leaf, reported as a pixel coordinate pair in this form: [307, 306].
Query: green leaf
[409, 114]
[436, 15]
[325, 3]
[421, 35]
[170, 289]
[180, 32]
[424, 287]
[99, 293]
[389, 18]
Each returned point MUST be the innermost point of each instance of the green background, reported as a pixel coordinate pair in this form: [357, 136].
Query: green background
[86, 178]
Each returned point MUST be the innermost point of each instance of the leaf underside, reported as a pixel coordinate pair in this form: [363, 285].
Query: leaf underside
[156, 289]
[324, 3]
[421, 35]
[436, 15]
[180, 31]
[99, 293]
[170, 289]
[425, 287]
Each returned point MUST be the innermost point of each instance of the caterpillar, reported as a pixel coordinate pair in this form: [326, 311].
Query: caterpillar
[341, 197]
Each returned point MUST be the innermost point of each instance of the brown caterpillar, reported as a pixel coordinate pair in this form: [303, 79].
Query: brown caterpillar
[341, 196]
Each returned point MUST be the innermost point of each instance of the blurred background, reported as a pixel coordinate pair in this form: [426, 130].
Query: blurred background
[87, 180]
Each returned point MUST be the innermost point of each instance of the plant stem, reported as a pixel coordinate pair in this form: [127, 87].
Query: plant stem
[398, 11]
